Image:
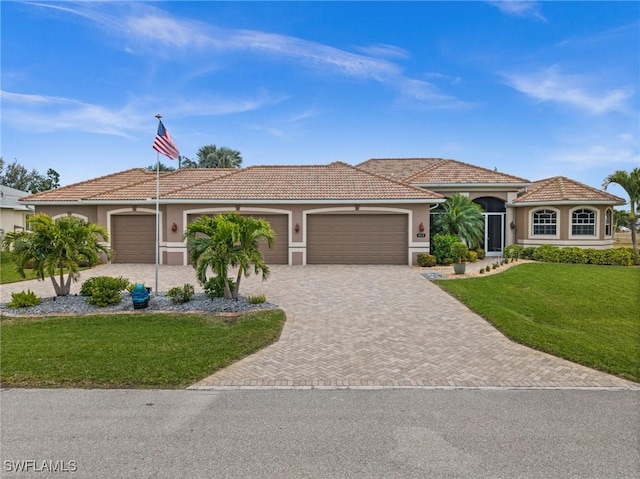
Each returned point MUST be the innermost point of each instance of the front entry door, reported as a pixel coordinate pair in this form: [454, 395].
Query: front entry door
[494, 233]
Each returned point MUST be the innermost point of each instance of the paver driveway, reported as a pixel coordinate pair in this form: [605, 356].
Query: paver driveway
[372, 326]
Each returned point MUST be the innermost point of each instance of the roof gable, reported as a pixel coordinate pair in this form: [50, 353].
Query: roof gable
[560, 189]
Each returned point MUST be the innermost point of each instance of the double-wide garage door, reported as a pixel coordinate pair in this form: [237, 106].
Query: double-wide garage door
[357, 239]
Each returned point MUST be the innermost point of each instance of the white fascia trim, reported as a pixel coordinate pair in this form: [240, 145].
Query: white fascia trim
[164, 201]
[565, 203]
[75, 215]
[474, 186]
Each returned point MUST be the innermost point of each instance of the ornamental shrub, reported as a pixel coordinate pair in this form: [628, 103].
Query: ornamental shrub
[426, 259]
[179, 295]
[547, 253]
[214, 287]
[527, 252]
[104, 282]
[23, 299]
[459, 251]
[261, 298]
[481, 253]
[513, 251]
[620, 256]
[441, 248]
[104, 296]
[573, 254]
[472, 256]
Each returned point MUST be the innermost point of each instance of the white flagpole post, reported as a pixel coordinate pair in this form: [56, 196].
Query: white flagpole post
[155, 291]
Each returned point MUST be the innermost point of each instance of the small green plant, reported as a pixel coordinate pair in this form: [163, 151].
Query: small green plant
[214, 287]
[513, 251]
[481, 253]
[104, 297]
[459, 251]
[481, 270]
[23, 299]
[441, 248]
[180, 295]
[261, 298]
[494, 266]
[472, 256]
[425, 259]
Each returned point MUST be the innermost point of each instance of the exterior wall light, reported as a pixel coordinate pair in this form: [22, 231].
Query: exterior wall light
[421, 228]
[174, 227]
[297, 228]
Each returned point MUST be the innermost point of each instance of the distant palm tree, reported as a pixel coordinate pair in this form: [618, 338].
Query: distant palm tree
[630, 182]
[161, 166]
[53, 247]
[210, 156]
[461, 217]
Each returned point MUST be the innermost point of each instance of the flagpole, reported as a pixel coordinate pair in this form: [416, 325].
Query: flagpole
[159, 117]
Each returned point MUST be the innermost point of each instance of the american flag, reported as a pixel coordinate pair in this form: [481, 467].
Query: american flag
[164, 143]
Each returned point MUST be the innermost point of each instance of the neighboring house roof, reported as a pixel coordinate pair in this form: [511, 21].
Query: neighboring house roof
[9, 198]
[333, 182]
[562, 190]
[431, 172]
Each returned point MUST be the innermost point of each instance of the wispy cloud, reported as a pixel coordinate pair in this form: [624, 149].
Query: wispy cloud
[148, 30]
[550, 85]
[515, 8]
[41, 113]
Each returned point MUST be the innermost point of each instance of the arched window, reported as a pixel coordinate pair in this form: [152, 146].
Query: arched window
[545, 222]
[608, 221]
[583, 222]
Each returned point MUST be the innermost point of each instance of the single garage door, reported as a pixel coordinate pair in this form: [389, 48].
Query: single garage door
[357, 239]
[279, 251]
[133, 238]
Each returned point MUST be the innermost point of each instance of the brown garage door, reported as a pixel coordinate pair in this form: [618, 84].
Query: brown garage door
[133, 238]
[279, 252]
[357, 239]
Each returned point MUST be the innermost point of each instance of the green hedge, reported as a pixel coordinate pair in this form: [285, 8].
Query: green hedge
[555, 254]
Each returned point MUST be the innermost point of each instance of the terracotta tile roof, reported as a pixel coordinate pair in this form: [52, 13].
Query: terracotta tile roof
[438, 171]
[560, 189]
[336, 181]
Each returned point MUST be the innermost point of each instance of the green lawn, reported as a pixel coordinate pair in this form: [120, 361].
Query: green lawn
[584, 313]
[129, 350]
[8, 273]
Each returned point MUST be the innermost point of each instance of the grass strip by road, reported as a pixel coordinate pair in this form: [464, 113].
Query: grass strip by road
[584, 313]
[129, 350]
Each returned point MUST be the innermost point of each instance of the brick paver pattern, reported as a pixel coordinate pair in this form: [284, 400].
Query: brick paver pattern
[372, 326]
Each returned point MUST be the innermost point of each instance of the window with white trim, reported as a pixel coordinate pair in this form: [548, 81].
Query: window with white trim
[583, 222]
[608, 217]
[545, 222]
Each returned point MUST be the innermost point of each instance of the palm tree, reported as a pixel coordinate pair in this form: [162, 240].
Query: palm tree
[215, 243]
[210, 156]
[53, 247]
[461, 217]
[630, 182]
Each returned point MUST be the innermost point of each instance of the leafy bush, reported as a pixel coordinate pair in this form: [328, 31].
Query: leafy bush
[179, 295]
[459, 251]
[426, 259]
[572, 255]
[104, 282]
[442, 248]
[547, 253]
[261, 298]
[214, 287]
[447, 262]
[513, 251]
[104, 296]
[527, 252]
[621, 256]
[481, 270]
[481, 253]
[23, 299]
[472, 256]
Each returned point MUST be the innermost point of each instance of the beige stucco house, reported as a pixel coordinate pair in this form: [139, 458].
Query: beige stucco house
[375, 213]
[13, 215]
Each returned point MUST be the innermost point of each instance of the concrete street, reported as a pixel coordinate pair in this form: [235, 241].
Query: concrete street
[389, 433]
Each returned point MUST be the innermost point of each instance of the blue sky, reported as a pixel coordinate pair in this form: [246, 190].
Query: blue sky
[534, 89]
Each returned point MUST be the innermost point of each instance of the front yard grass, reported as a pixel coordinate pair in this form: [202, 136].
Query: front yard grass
[129, 350]
[584, 313]
[8, 273]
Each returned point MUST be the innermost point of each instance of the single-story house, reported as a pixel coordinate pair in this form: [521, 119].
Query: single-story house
[377, 212]
[13, 215]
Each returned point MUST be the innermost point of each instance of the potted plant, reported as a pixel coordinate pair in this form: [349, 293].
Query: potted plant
[459, 251]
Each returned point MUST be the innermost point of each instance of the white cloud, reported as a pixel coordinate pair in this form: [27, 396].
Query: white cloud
[574, 90]
[150, 31]
[517, 8]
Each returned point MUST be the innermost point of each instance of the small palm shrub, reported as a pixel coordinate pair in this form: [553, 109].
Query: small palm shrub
[459, 251]
[23, 299]
[425, 259]
[179, 295]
